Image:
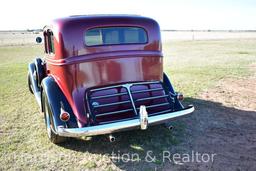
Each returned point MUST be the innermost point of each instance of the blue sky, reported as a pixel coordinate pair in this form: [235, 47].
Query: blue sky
[171, 14]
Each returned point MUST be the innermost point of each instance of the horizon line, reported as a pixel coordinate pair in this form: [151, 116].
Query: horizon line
[170, 30]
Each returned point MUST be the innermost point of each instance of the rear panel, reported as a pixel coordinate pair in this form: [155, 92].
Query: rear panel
[78, 66]
[75, 79]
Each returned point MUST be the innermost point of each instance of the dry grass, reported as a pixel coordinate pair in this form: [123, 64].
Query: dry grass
[193, 66]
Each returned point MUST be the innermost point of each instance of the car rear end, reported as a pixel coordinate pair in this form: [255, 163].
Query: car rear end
[111, 72]
[127, 106]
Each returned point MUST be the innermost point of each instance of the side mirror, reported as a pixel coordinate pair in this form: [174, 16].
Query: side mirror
[38, 40]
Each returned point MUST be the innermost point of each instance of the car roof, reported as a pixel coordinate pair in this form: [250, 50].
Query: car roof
[69, 32]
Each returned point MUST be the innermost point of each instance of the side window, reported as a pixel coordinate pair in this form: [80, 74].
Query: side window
[49, 42]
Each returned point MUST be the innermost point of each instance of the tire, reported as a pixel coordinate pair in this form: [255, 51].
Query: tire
[30, 87]
[54, 138]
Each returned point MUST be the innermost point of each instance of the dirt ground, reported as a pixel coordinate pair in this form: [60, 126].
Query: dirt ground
[224, 124]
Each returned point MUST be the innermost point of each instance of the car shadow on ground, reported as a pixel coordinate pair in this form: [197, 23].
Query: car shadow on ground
[213, 128]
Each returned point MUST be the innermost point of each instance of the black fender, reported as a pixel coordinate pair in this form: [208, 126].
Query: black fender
[57, 100]
[40, 71]
[167, 83]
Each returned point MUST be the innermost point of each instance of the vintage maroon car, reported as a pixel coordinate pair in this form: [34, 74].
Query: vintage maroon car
[102, 74]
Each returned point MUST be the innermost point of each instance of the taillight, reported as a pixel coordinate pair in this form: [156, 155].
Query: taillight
[180, 96]
[64, 116]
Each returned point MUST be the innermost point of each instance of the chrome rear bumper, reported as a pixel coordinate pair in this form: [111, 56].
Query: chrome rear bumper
[120, 126]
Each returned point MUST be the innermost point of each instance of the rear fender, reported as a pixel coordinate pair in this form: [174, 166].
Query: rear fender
[168, 84]
[57, 100]
[40, 70]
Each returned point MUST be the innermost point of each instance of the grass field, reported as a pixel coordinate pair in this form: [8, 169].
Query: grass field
[192, 65]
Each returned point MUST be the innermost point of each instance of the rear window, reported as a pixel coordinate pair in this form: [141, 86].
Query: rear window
[115, 36]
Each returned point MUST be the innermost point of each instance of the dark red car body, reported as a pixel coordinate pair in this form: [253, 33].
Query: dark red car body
[78, 70]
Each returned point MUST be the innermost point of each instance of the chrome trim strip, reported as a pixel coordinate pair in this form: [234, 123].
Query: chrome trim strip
[157, 113]
[156, 105]
[120, 126]
[123, 85]
[151, 98]
[109, 95]
[112, 113]
[128, 88]
[112, 104]
[119, 120]
[105, 88]
[147, 82]
[147, 90]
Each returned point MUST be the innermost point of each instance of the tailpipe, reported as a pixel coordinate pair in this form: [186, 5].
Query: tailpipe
[169, 126]
[112, 138]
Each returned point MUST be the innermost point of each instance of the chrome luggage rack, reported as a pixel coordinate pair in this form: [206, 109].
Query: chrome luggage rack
[122, 102]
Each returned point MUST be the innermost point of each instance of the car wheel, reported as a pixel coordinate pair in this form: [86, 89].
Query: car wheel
[30, 87]
[53, 137]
